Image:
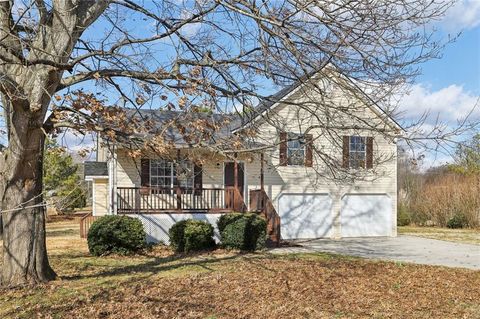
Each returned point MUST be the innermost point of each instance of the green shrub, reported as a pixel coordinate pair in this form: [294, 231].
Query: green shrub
[457, 221]
[227, 219]
[242, 231]
[116, 234]
[403, 216]
[191, 235]
[198, 236]
[176, 233]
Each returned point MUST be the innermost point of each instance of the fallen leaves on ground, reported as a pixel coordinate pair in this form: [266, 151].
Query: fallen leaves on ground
[224, 284]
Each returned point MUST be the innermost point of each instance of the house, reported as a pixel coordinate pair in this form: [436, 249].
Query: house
[308, 179]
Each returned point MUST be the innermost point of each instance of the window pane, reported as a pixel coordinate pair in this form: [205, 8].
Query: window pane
[164, 173]
[357, 146]
[160, 173]
[296, 149]
[167, 181]
[185, 174]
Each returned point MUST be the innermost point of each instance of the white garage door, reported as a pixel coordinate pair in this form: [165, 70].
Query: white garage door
[366, 215]
[305, 215]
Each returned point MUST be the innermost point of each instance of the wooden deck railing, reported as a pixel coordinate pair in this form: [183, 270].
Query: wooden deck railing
[261, 203]
[144, 200]
[85, 222]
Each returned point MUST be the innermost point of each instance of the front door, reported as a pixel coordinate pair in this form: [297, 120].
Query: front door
[229, 174]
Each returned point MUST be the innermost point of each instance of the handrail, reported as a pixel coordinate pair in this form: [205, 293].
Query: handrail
[85, 222]
[260, 202]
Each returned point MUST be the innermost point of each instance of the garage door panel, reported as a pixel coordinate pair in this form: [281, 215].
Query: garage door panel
[305, 215]
[366, 215]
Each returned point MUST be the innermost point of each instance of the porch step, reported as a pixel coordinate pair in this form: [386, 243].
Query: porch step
[261, 203]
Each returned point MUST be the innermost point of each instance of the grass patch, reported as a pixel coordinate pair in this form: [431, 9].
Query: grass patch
[467, 236]
[221, 284]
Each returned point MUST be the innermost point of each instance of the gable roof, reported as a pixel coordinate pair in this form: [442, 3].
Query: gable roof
[235, 122]
[273, 100]
[222, 136]
[92, 168]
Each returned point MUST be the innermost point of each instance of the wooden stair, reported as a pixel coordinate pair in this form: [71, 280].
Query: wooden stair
[261, 203]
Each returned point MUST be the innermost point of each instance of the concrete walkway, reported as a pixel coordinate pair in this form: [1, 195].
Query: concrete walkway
[402, 248]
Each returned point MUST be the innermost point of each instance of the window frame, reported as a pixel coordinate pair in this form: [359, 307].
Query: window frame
[172, 167]
[353, 153]
[293, 152]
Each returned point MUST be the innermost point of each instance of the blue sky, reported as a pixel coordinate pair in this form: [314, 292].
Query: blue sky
[460, 64]
[450, 86]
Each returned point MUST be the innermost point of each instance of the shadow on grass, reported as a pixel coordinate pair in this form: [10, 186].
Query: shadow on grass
[157, 265]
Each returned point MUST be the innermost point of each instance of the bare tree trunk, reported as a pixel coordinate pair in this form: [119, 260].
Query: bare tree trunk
[25, 258]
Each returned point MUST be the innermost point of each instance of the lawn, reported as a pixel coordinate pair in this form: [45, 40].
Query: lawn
[468, 236]
[231, 285]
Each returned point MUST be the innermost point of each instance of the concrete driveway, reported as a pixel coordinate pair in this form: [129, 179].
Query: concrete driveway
[402, 248]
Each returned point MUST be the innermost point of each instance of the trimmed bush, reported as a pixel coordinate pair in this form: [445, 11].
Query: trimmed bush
[227, 219]
[403, 216]
[191, 235]
[176, 233]
[198, 236]
[457, 221]
[116, 234]
[242, 231]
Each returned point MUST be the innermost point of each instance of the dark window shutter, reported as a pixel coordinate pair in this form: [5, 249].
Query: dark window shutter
[369, 152]
[346, 152]
[283, 149]
[145, 172]
[197, 179]
[308, 150]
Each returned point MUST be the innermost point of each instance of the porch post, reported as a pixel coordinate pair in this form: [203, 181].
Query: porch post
[178, 190]
[262, 177]
[235, 172]
[235, 183]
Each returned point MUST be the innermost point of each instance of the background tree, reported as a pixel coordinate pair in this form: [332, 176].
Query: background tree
[184, 56]
[61, 183]
[467, 157]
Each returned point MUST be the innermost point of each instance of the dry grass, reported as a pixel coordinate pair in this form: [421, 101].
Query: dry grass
[467, 236]
[442, 197]
[229, 285]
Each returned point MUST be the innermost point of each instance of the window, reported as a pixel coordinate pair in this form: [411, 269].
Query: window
[357, 151]
[296, 149]
[164, 173]
[185, 174]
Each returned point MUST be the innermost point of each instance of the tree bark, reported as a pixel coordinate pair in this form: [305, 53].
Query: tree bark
[25, 259]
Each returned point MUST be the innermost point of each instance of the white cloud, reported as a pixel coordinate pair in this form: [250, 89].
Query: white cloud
[463, 15]
[447, 105]
[450, 103]
[76, 143]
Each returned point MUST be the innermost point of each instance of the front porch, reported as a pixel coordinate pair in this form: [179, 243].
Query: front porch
[154, 200]
[160, 191]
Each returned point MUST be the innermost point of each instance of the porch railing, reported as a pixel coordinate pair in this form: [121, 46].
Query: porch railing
[85, 222]
[136, 200]
[261, 203]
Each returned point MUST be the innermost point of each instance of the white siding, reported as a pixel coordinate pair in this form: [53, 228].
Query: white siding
[100, 197]
[317, 179]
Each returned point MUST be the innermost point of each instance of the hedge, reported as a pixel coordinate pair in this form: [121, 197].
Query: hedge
[244, 231]
[191, 235]
[116, 234]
